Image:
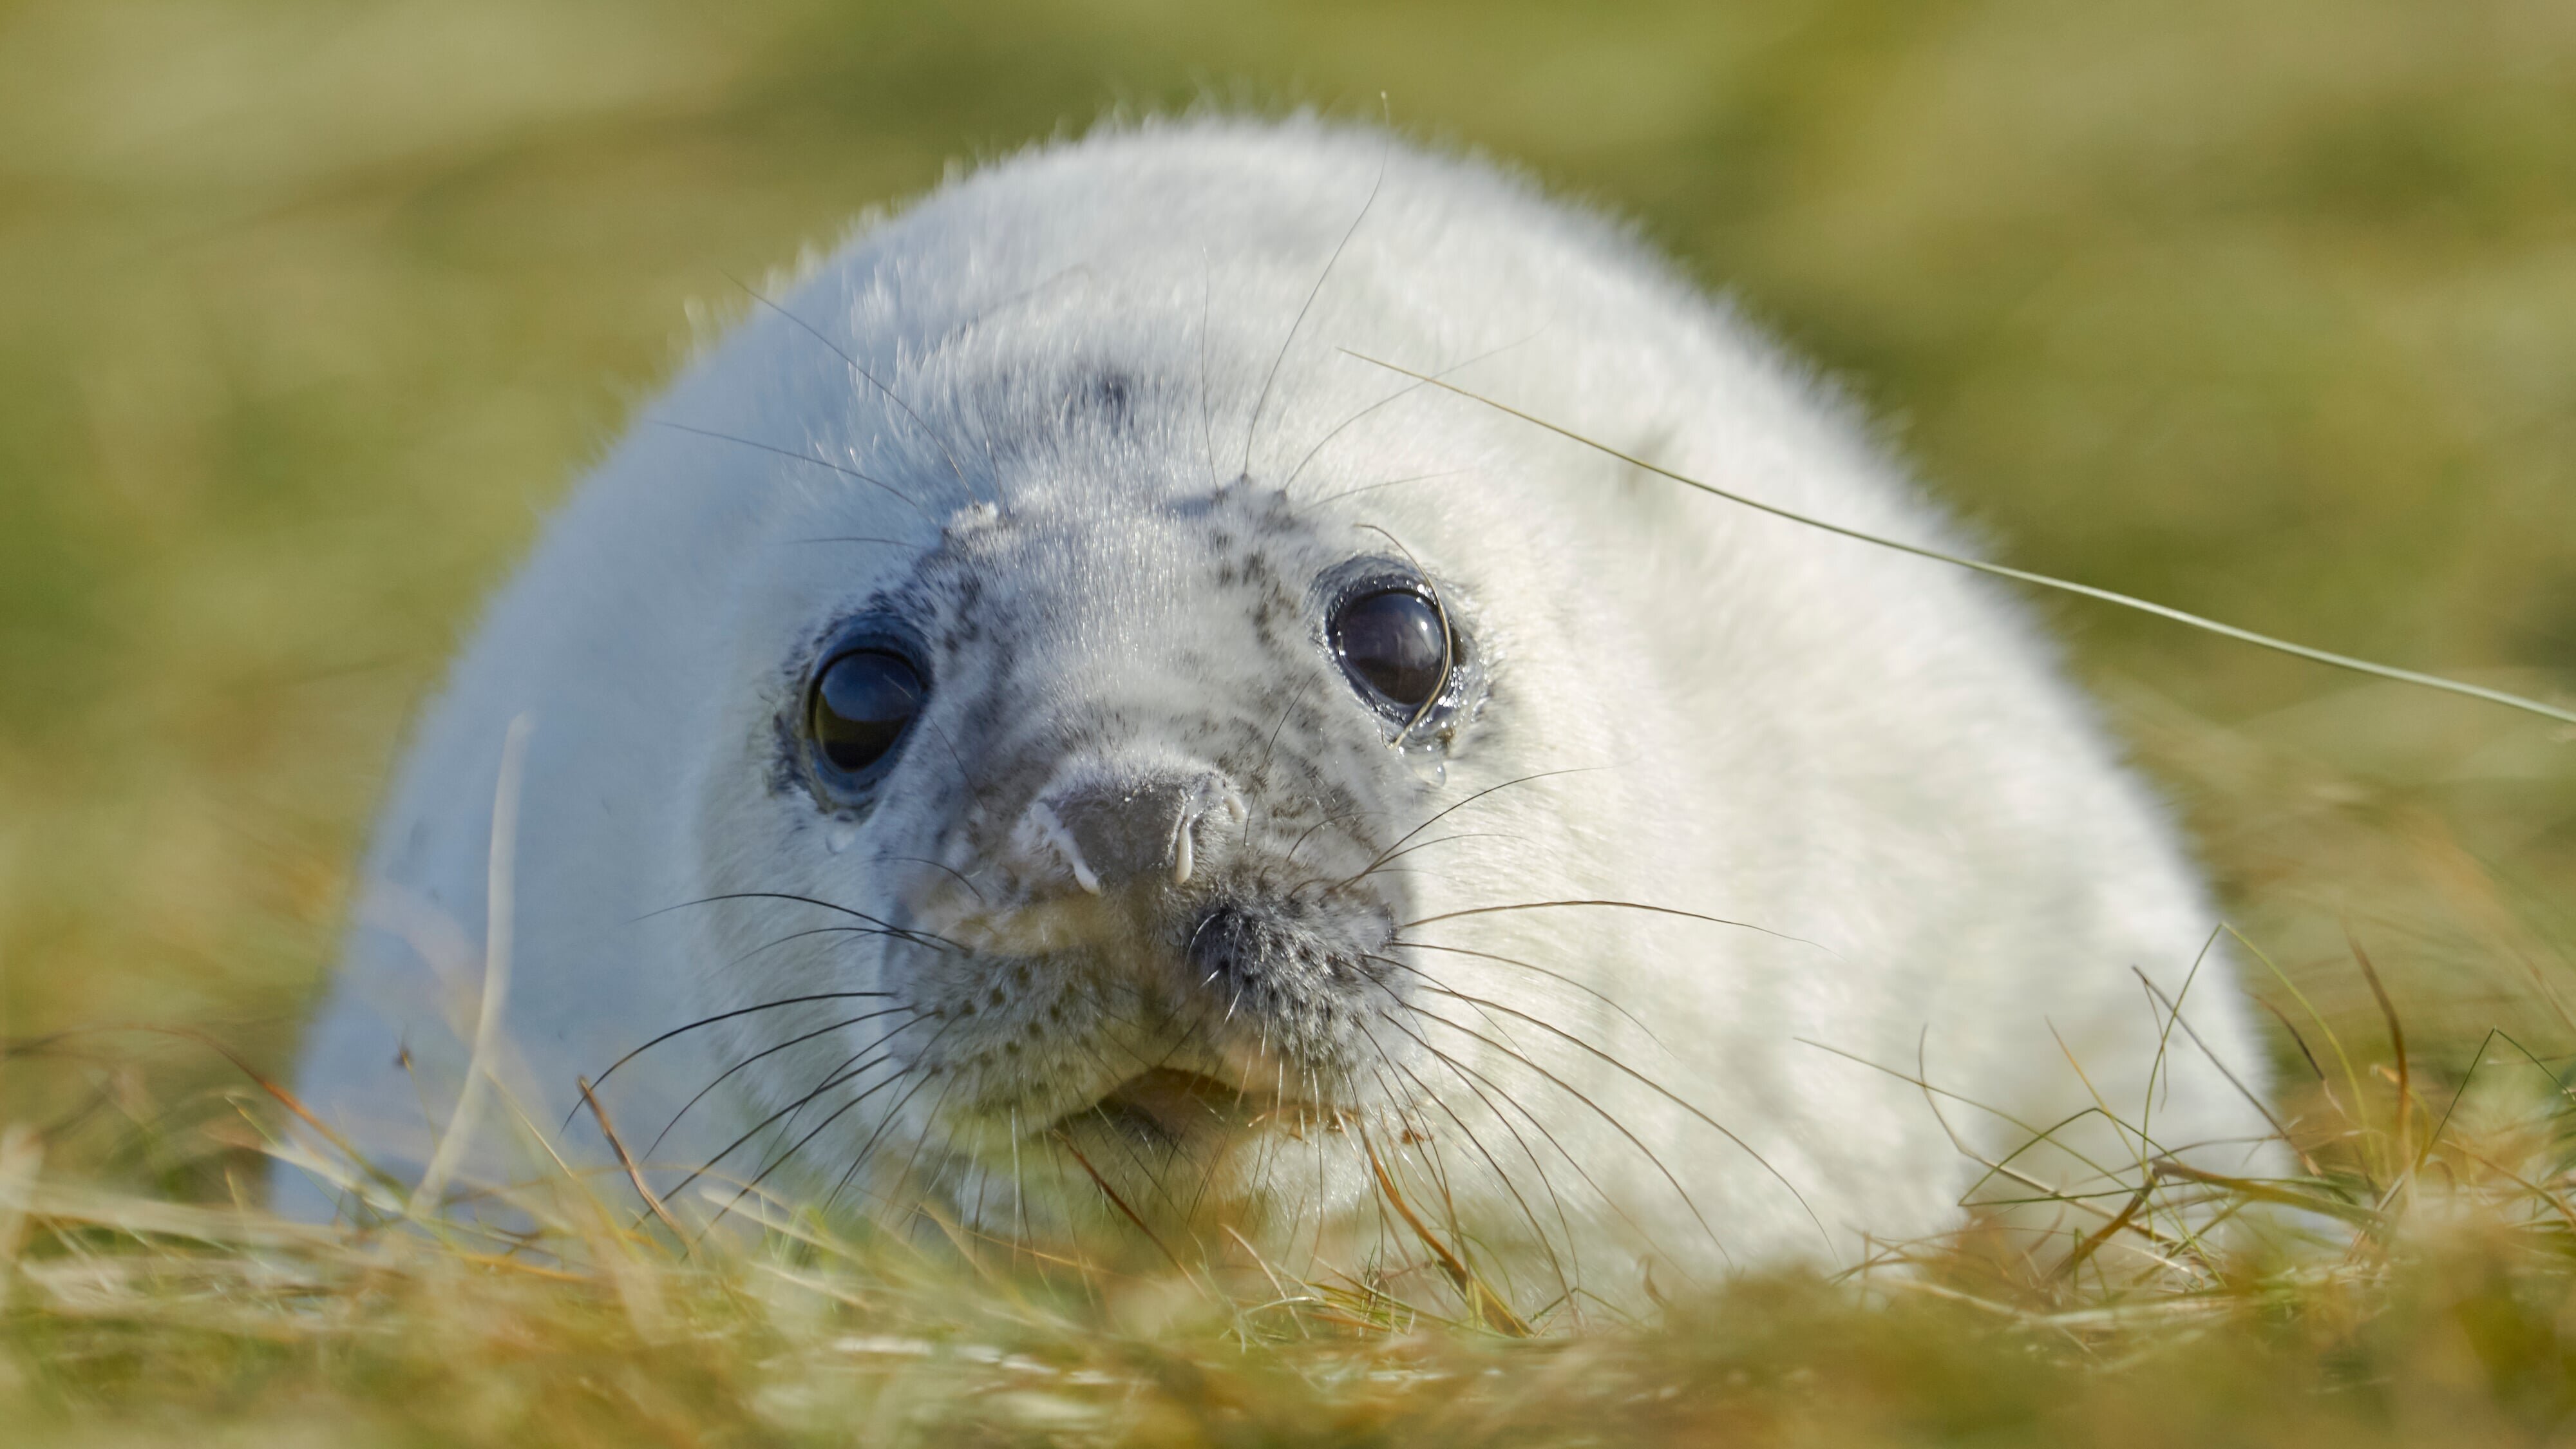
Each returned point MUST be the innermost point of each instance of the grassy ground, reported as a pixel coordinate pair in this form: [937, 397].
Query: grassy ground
[307, 310]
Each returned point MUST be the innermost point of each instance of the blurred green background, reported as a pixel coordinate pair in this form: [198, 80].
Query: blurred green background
[309, 308]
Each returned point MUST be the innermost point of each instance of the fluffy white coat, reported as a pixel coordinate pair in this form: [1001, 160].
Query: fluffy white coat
[1934, 863]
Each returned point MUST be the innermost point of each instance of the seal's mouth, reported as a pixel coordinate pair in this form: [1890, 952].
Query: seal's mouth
[1168, 1106]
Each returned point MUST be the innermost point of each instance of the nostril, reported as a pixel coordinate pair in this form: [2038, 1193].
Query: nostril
[1110, 829]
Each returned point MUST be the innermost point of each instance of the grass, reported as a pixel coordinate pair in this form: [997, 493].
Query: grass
[2419, 1289]
[307, 311]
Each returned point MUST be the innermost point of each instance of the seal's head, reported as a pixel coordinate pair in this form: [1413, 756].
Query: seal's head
[1120, 773]
[1041, 730]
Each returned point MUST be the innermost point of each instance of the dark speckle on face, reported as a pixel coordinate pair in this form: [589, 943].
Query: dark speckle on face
[1109, 395]
[1140, 639]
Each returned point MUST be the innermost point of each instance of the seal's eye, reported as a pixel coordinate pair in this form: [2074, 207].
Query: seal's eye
[862, 701]
[1392, 645]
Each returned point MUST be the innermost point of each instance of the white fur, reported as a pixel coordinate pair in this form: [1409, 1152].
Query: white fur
[1868, 756]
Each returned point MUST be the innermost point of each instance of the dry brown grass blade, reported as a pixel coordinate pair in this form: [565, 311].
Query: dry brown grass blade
[1482, 1301]
[2265, 1192]
[626, 1160]
[275, 1090]
[2067, 586]
[2396, 1045]
[1065, 1140]
[2067, 1267]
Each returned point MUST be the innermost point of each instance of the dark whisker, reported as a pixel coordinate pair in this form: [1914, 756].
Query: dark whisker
[918, 938]
[1207, 425]
[953, 872]
[1472, 1078]
[1335, 818]
[814, 931]
[836, 1077]
[771, 1051]
[845, 1072]
[836, 1115]
[918, 1143]
[894, 1115]
[1259, 774]
[705, 1021]
[1651, 1085]
[1505, 1178]
[965, 776]
[1446, 811]
[1389, 858]
[1599, 1111]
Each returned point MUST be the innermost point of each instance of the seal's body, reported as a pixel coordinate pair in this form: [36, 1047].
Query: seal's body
[1039, 729]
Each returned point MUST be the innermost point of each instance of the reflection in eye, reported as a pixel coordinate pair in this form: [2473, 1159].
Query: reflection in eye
[862, 702]
[1392, 645]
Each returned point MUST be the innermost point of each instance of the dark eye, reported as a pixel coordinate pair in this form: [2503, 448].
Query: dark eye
[1392, 645]
[862, 701]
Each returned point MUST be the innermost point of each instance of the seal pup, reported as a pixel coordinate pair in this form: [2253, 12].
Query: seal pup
[1038, 731]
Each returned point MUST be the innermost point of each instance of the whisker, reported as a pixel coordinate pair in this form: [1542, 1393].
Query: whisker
[1613, 1122]
[1472, 1078]
[838, 1076]
[793, 936]
[1593, 992]
[1391, 483]
[953, 873]
[1537, 1229]
[818, 461]
[890, 396]
[1115, 1200]
[1334, 818]
[1448, 810]
[1657, 1088]
[1019, 1190]
[799, 1145]
[1621, 905]
[1259, 774]
[705, 1021]
[1207, 426]
[1404, 391]
[1391, 857]
[918, 938]
[773, 1051]
[894, 1114]
[1252, 429]
[1645, 1081]
[965, 776]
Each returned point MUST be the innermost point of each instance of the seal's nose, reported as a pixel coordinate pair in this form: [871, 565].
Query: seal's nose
[1108, 826]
